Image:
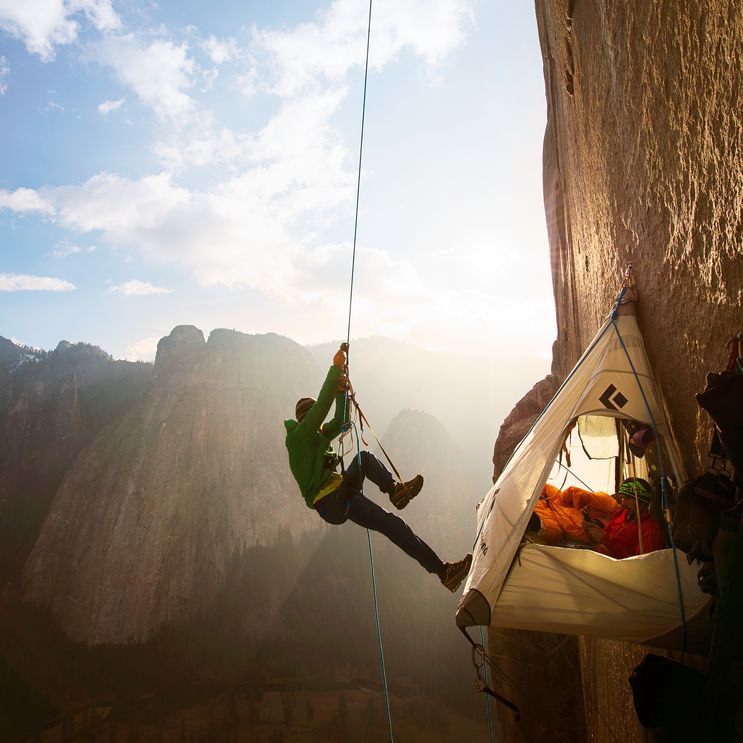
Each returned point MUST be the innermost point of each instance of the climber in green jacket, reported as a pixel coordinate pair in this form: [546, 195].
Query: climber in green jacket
[339, 497]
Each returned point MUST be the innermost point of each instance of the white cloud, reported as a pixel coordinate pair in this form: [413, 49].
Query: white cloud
[204, 146]
[221, 51]
[99, 12]
[135, 288]
[209, 77]
[122, 209]
[316, 157]
[10, 282]
[158, 72]
[106, 107]
[4, 72]
[232, 234]
[309, 53]
[65, 249]
[241, 230]
[24, 200]
[42, 25]
[306, 66]
[249, 83]
[143, 350]
[279, 185]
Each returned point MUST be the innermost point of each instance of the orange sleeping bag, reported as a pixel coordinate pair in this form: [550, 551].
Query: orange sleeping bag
[560, 513]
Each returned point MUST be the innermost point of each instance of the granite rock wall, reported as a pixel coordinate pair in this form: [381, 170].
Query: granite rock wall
[642, 165]
[148, 516]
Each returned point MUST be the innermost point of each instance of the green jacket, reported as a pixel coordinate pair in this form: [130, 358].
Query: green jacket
[311, 457]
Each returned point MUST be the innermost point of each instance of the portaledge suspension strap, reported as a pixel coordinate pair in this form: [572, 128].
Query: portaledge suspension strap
[479, 659]
[663, 481]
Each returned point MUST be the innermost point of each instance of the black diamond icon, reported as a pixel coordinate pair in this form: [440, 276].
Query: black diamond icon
[619, 400]
[613, 401]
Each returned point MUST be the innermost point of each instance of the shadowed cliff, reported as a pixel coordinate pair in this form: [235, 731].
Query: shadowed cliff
[51, 406]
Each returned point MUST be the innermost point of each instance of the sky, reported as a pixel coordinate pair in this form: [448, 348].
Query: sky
[195, 163]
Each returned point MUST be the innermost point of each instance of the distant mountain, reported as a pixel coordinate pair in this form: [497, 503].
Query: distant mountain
[149, 481]
[10, 354]
[443, 512]
[49, 411]
[149, 514]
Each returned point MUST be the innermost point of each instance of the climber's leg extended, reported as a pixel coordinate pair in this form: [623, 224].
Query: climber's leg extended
[400, 493]
[368, 514]
[349, 502]
[367, 465]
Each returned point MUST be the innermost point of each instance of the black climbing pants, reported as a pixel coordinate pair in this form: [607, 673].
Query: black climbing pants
[348, 502]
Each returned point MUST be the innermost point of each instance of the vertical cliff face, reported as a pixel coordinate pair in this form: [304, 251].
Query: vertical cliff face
[642, 162]
[49, 411]
[147, 517]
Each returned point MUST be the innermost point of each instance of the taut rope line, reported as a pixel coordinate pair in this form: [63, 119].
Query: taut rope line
[348, 355]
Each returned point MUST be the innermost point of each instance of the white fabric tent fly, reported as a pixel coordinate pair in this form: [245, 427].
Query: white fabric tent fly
[525, 585]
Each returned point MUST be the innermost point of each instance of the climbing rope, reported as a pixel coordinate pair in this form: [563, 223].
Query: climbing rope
[358, 178]
[362, 418]
[663, 482]
[377, 623]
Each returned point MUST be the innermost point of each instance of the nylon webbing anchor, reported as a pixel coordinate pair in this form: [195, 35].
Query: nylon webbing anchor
[481, 683]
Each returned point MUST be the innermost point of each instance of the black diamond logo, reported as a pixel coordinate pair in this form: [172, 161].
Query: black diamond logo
[611, 400]
[484, 547]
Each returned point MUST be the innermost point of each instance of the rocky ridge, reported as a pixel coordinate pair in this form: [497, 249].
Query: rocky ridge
[148, 515]
[49, 411]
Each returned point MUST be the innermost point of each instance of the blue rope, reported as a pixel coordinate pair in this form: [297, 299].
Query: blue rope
[487, 697]
[377, 623]
[345, 401]
[379, 637]
[663, 481]
[358, 179]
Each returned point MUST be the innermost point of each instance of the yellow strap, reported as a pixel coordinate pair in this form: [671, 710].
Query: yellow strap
[332, 484]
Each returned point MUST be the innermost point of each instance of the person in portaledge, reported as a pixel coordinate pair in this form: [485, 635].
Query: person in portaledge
[620, 537]
[337, 497]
